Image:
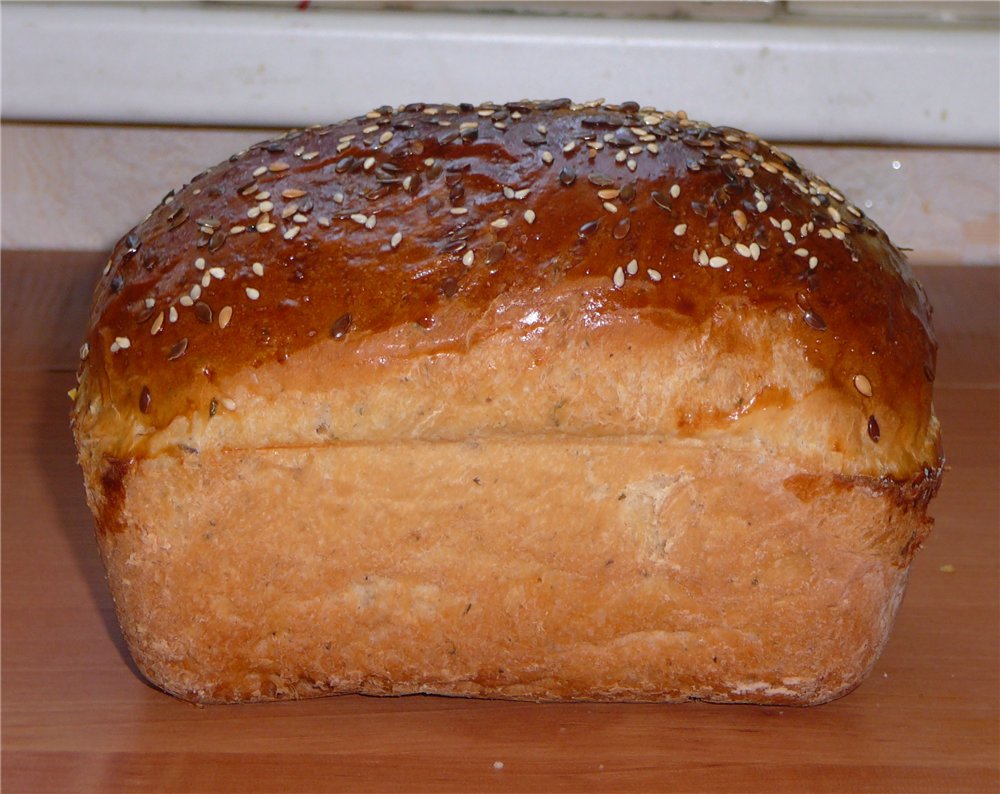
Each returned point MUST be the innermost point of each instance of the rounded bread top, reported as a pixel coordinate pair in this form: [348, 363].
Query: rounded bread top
[412, 216]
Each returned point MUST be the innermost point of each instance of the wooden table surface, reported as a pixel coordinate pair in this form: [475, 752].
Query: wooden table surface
[76, 716]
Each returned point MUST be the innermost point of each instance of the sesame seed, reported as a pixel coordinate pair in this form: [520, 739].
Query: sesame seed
[291, 233]
[253, 212]
[360, 218]
[754, 251]
[743, 250]
[369, 163]
[149, 303]
[838, 233]
[621, 157]
[529, 216]
[237, 229]
[123, 342]
[632, 267]
[761, 205]
[266, 206]
[264, 194]
[260, 171]
[85, 349]
[172, 316]
[228, 403]
[195, 292]
[813, 262]
[225, 315]
[547, 156]
[428, 161]
[258, 268]
[217, 272]
[568, 147]
[396, 239]
[458, 211]
[500, 223]
[619, 278]
[157, 325]
[608, 193]
[199, 263]
[323, 221]
[186, 300]
[740, 219]
[292, 193]
[298, 217]
[610, 207]
[825, 234]
[863, 385]
[786, 225]
[469, 258]
[675, 190]
[508, 192]
[407, 181]
[654, 275]
[680, 228]
[265, 227]
[652, 148]
[789, 238]
[631, 165]
[801, 252]
[832, 211]
[370, 223]
[252, 293]
[278, 166]
[385, 137]
[206, 280]
[521, 194]
[718, 261]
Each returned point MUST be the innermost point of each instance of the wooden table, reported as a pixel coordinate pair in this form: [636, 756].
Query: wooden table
[76, 717]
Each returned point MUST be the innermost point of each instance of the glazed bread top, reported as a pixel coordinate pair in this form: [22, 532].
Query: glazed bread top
[455, 271]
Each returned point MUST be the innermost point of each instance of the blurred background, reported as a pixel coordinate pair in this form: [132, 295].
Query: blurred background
[106, 106]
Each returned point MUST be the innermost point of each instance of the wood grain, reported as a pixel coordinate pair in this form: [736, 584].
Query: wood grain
[76, 717]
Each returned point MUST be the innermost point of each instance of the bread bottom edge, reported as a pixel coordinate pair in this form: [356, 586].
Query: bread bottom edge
[631, 571]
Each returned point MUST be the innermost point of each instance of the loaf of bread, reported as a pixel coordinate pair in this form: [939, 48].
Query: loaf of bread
[539, 400]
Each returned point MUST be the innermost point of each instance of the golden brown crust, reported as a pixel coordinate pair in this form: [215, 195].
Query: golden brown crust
[543, 400]
[726, 223]
[656, 571]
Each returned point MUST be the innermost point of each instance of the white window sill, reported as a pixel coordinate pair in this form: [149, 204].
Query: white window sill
[274, 66]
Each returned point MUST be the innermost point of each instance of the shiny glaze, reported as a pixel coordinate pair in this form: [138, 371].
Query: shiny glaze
[858, 310]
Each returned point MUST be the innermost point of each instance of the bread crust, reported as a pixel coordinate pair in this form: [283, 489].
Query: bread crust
[648, 396]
